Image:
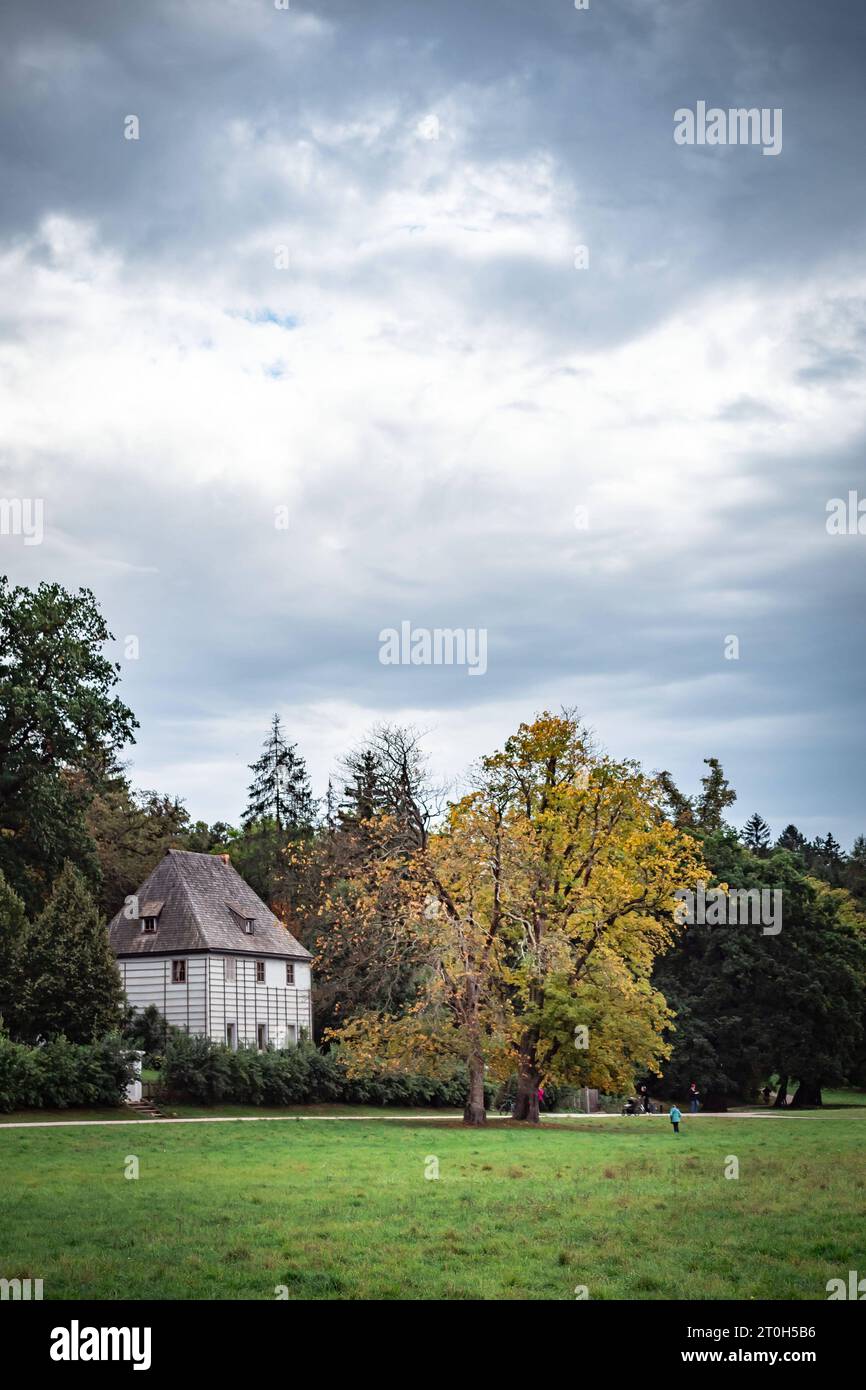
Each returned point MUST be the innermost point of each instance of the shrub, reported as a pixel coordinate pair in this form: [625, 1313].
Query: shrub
[61, 1073]
[147, 1030]
[197, 1069]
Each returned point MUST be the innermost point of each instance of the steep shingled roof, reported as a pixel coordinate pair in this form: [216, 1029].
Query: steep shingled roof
[198, 892]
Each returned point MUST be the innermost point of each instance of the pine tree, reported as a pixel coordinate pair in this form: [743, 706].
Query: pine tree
[280, 791]
[858, 850]
[280, 813]
[756, 834]
[716, 796]
[792, 839]
[72, 984]
[831, 851]
[14, 928]
[363, 794]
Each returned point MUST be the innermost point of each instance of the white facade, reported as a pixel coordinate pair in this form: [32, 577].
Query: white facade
[222, 996]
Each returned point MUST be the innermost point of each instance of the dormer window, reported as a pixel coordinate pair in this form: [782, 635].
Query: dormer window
[243, 918]
[149, 914]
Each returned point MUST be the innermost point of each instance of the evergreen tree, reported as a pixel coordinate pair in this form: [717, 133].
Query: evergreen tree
[363, 795]
[756, 834]
[280, 814]
[792, 840]
[749, 1005]
[679, 808]
[716, 796]
[72, 984]
[830, 851]
[826, 859]
[280, 791]
[854, 871]
[705, 811]
[14, 928]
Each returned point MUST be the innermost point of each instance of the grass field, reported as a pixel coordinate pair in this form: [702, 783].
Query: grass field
[339, 1209]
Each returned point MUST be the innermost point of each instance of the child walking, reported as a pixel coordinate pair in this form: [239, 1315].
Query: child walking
[676, 1116]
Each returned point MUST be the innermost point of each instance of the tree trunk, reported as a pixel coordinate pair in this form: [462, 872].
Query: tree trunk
[474, 1113]
[807, 1093]
[528, 1082]
[782, 1094]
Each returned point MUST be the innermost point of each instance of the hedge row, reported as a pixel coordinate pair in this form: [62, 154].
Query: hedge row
[197, 1069]
[61, 1073]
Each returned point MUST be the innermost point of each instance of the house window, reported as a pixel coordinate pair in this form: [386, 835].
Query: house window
[249, 925]
[260, 972]
[178, 972]
[292, 1039]
[231, 968]
[232, 1036]
[262, 1036]
[148, 924]
[290, 972]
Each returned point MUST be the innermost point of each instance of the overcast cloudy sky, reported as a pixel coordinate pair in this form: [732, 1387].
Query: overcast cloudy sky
[431, 388]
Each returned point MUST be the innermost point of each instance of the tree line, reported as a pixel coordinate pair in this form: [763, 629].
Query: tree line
[526, 925]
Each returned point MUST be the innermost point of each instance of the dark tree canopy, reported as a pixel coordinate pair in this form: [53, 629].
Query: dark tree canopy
[60, 724]
[750, 1004]
[13, 956]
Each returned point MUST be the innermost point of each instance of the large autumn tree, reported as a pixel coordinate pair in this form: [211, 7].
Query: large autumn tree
[453, 894]
[549, 893]
[349, 904]
[603, 863]
[60, 724]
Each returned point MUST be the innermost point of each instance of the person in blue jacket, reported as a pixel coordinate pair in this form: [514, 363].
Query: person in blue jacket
[676, 1116]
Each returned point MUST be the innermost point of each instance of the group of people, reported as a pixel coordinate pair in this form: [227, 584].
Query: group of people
[643, 1104]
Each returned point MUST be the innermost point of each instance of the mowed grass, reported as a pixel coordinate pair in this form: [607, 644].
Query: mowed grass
[343, 1209]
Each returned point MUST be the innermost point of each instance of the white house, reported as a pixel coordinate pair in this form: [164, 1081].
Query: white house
[197, 942]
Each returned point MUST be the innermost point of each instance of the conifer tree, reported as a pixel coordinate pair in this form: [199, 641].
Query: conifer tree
[280, 790]
[14, 928]
[280, 813]
[73, 985]
[756, 834]
[716, 796]
[792, 839]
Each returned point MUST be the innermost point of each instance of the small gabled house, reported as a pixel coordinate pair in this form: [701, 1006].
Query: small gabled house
[197, 942]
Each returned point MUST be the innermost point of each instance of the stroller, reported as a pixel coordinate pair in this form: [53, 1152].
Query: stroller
[635, 1106]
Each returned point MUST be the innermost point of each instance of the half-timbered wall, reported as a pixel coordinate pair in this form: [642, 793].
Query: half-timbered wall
[210, 1000]
[283, 1009]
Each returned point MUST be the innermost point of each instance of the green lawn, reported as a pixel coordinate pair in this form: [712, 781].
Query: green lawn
[339, 1209]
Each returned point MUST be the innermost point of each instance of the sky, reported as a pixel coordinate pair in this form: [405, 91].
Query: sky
[319, 353]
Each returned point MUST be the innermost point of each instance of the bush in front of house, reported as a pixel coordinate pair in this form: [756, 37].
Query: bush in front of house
[147, 1030]
[200, 1070]
[60, 1074]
